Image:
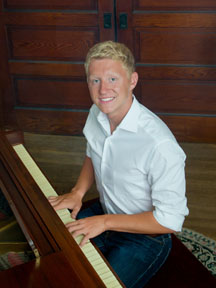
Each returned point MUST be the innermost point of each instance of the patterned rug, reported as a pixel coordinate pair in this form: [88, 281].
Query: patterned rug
[201, 246]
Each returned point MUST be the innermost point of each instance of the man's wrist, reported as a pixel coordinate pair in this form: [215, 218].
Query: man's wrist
[109, 221]
[78, 192]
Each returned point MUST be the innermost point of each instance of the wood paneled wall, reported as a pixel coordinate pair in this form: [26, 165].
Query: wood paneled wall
[44, 44]
[174, 44]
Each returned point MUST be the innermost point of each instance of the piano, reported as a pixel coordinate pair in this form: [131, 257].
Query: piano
[59, 260]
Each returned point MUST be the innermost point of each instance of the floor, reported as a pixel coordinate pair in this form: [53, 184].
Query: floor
[60, 158]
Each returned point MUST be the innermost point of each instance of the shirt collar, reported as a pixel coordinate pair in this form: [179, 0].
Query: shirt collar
[129, 122]
[104, 121]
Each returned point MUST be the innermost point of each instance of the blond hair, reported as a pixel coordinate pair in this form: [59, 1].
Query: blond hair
[111, 50]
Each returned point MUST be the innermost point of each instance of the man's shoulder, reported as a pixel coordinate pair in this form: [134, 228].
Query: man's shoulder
[159, 135]
[153, 125]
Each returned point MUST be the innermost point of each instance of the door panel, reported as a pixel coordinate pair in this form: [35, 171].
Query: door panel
[41, 43]
[56, 121]
[169, 96]
[58, 93]
[177, 45]
[191, 128]
[174, 46]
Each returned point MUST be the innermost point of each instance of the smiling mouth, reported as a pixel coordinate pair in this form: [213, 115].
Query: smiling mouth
[106, 99]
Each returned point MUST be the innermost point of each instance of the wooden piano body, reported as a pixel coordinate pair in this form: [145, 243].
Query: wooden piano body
[60, 261]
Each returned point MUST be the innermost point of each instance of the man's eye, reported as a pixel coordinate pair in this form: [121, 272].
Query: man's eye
[112, 79]
[95, 81]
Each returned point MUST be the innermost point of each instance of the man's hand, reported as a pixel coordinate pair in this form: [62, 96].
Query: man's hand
[90, 227]
[70, 200]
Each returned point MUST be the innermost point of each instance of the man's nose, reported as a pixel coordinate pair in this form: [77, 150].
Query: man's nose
[103, 87]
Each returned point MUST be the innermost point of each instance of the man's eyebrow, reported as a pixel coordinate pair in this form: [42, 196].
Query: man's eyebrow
[109, 74]
[93, 76]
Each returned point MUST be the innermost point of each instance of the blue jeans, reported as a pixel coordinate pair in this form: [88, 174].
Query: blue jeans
[134, 257]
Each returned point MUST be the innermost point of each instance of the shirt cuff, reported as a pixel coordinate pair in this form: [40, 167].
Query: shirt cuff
[88, 149]
[173, 222]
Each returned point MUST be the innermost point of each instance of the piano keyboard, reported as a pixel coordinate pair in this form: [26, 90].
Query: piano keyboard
[88, 249]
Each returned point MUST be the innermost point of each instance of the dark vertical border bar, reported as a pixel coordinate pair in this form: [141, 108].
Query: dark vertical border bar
[115, 20]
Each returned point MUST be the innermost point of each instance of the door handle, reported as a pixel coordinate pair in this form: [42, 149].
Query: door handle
[107, 20]
[123, 20]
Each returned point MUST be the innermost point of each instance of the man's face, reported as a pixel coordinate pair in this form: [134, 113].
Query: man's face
[111, 87]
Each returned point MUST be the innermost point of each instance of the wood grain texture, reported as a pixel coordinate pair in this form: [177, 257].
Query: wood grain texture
[59, 93]
[43, 272]
[179, 96]
[174, 5]
[174, 20]
[172, 72]
[56, 122]
[51, 4]
[43, 43]
[201, 187]
[177, 45]
[59, 18]
[192, 128]
[47, 69]
[173, 45]
[44, 46]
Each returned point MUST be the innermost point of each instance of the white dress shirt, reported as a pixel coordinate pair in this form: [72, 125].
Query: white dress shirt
[139, 167]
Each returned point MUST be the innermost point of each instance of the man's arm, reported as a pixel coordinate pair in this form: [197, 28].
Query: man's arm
[143, 223]
[73, 200]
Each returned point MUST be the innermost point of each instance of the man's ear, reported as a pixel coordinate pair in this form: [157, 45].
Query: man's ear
[134, 80]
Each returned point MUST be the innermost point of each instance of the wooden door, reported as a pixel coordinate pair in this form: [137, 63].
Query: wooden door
[44, 43]
[174, 43]
[43, 47]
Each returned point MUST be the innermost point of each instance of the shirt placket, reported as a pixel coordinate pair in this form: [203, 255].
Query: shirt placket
[106, 173]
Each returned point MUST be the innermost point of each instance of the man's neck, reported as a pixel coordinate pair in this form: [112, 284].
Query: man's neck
[113, 126]
[115, 121]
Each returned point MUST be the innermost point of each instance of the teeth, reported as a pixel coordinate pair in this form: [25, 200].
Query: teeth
[106, 99]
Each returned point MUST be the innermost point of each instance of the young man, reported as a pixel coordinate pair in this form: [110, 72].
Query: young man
[138, 167]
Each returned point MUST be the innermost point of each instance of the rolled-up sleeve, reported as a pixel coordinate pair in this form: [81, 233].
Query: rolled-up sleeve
[168, 185]
[88, 148]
